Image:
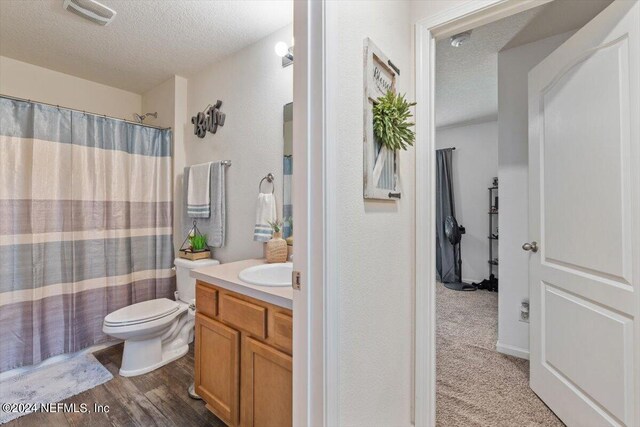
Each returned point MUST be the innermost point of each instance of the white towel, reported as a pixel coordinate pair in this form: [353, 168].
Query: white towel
[265, 213]
[199, 192]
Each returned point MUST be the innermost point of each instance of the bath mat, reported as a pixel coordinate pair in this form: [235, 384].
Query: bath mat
[50, 384]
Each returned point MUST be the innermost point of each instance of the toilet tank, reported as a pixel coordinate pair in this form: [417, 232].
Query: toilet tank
[185, 284]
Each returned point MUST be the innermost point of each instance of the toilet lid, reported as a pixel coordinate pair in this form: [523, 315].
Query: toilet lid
[145, 311]
[188, 264]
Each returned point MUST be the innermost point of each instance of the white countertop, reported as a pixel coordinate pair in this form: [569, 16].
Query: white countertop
[226, 276]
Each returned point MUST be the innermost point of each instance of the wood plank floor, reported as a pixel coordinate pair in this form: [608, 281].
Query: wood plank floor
[158, 398]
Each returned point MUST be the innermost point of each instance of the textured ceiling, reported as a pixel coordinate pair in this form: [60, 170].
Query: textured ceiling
[148, 41]
[467, 76]
[558, 17]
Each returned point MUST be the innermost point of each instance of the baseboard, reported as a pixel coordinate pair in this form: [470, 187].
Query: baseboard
[512, 350]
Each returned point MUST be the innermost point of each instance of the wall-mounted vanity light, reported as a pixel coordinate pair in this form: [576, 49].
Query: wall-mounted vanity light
[285, 52]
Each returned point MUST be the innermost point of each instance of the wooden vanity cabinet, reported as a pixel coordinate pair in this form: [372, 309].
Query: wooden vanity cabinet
[217, 354]
[243, 358]
[266, 396]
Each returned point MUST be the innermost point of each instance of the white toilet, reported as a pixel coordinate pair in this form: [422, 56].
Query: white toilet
[158, 331]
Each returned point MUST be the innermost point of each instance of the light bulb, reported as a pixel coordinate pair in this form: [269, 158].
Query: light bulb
[281, 49]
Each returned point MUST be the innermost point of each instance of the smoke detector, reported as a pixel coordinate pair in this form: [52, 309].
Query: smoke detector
[91, 10]
[460, 39]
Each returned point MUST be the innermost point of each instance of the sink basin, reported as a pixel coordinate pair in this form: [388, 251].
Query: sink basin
[268, 274]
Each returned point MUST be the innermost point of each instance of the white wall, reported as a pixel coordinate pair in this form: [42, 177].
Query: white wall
[28, 81]
[513, 67]
[254, 88]
[421, 9]
[375, 253]
[169, 100]
[475, 163]
[160, 99]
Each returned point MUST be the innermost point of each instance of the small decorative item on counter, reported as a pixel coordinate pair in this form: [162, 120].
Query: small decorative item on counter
[197, 247]
[289, 239]
[276, 247]
[289, 248]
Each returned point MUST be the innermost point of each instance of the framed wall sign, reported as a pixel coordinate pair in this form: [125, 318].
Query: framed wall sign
[380, 164]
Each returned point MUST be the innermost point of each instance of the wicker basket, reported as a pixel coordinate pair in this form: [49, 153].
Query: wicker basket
[276, 249]
[187, 254]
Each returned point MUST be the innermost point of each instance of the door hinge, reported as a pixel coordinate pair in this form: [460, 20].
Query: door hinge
[295, 280]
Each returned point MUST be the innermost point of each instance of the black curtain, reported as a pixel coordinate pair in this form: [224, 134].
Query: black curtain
[446, 256]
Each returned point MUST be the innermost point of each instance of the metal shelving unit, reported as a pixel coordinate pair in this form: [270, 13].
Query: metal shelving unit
[493, 236]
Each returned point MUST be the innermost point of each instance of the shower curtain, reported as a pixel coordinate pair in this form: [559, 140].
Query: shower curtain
[287, 204]
[446, 256]
[85, 226]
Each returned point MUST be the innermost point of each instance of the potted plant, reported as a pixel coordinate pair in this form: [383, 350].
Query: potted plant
[198, 247]
[276, 246]
[198, 243]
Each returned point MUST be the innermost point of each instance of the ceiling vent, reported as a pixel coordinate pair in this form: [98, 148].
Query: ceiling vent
[91, 10]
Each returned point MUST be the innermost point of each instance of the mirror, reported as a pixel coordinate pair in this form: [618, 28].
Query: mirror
[287, 207]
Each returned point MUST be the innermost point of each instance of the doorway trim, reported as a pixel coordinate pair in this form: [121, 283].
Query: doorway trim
[314, 305]
[466, 16]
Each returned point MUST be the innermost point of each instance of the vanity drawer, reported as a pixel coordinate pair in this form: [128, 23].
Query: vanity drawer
[282, 330]
[206, 300]
[244, 315]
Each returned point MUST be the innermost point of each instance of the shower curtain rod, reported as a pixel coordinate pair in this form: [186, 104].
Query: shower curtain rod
[31, 101]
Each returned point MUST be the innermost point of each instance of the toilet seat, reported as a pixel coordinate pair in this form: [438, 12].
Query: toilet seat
[142, 312]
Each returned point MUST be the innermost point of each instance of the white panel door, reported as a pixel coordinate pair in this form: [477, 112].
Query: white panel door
[584, 171]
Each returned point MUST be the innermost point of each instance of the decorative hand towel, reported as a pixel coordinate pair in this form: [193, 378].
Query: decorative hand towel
[265, 213]
[218, 208]
[199, 193]
[214, 226]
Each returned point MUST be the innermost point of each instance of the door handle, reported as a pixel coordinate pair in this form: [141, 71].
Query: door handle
[533, 247]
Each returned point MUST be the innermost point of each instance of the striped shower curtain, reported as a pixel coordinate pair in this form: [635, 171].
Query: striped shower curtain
[287, 204]
[85, 226]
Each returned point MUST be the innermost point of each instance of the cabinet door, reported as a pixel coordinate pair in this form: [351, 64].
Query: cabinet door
[266, 386]
[217, 354]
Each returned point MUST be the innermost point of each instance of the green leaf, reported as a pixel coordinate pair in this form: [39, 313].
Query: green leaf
[276, 225]
[198, 242]
[390, 121]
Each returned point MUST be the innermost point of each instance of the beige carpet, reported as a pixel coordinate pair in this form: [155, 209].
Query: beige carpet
[476, 385]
